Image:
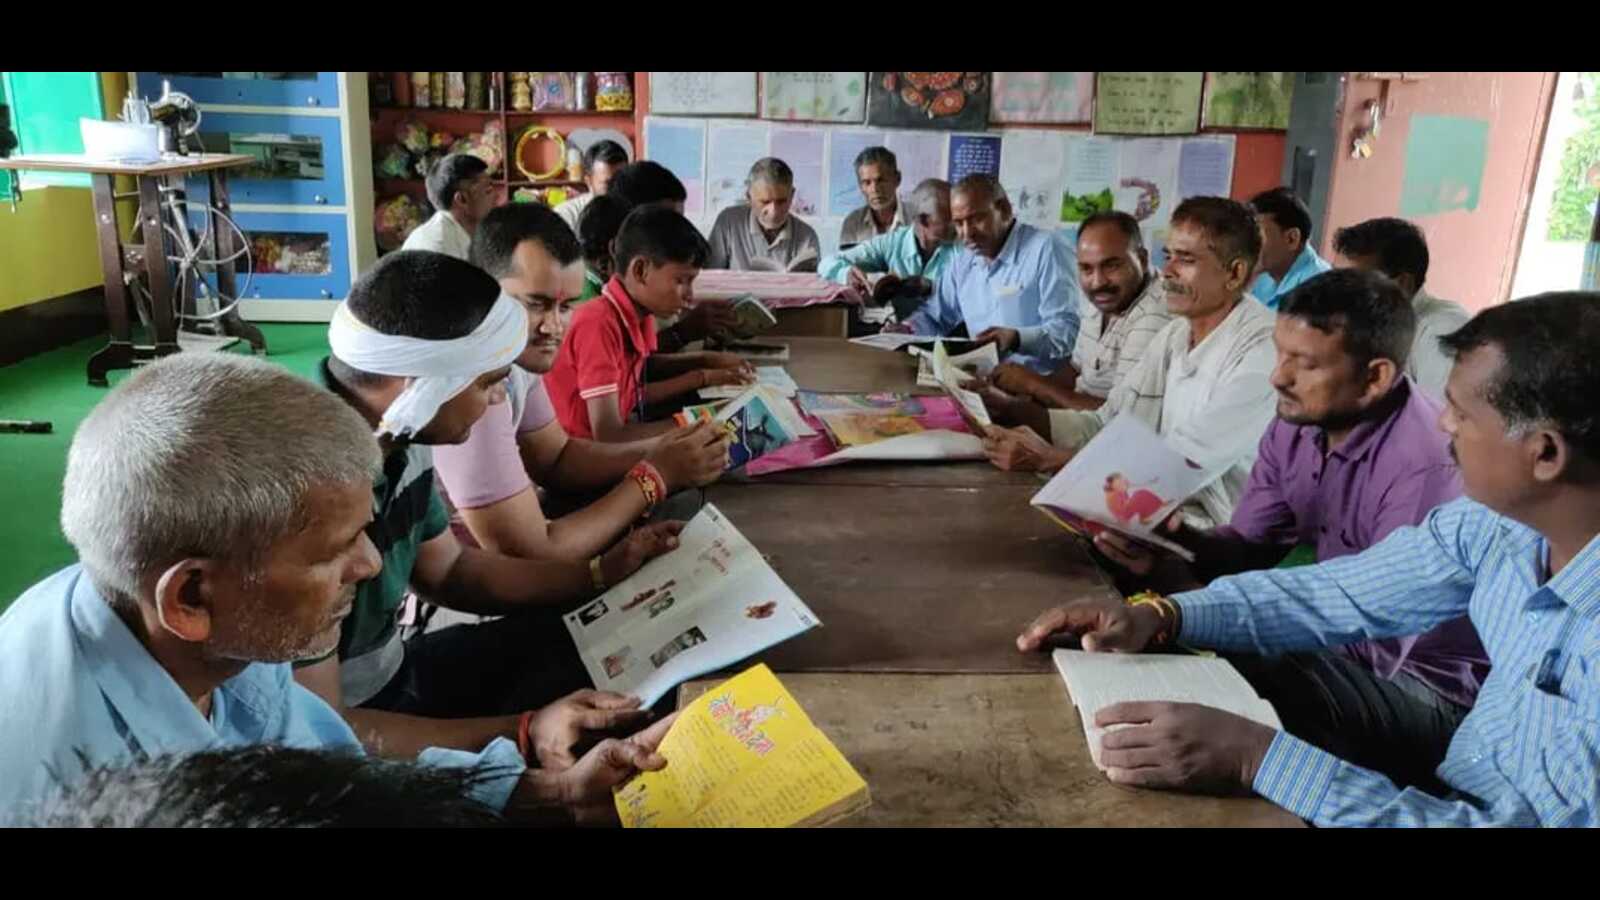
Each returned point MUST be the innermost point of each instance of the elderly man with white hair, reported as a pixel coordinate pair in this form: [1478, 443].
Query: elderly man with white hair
[762, 234]
[219, 507]
[421, 348]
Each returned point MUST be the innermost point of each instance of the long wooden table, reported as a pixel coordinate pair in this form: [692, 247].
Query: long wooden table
[922, 575]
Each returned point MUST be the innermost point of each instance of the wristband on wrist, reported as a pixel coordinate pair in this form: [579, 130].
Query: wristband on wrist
[524, 736]
[595, 575]
[651, 484]
[1165, 608]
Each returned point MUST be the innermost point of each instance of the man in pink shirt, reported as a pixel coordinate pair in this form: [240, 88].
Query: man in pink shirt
[490, 479]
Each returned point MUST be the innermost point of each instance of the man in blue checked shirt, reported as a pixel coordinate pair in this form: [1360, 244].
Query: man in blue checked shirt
[1519, 555]
[1011, 283]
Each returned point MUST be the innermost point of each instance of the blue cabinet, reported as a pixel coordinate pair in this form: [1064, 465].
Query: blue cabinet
[302, 89]
[293, 256]
[300, 159]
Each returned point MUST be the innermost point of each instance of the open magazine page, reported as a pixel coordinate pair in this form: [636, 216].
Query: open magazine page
[1098, 680]
[981, 361]
[706, 605]
[968, 402]
[1127, 479]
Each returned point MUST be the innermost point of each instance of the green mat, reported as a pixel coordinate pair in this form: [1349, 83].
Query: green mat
[52, 387]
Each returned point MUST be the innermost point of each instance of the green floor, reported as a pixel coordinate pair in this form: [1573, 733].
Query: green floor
[51, 386]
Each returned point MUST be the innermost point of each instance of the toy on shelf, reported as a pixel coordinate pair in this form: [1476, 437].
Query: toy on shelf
[612, 92]
[521, 93]
[393, 161]
[395, 218]
[412, 135]
[487, 145]
[529, 134]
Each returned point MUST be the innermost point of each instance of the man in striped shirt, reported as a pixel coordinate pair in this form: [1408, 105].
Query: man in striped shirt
[1520, 556]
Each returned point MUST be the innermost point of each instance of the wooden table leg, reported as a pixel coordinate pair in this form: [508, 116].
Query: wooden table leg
[118, 352]
[222, 239]
[162, 318]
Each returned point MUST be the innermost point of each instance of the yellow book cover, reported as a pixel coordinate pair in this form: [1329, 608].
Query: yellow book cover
[744, 755]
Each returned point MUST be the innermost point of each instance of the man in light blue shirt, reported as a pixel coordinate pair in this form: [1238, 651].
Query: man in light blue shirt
[911, 258]
[1287, 259]
[1011, 283]
[1520, 556]
[214, 550]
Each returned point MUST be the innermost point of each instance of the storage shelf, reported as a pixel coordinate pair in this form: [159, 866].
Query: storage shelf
[564, 113]
[559, 182]
[437, 109]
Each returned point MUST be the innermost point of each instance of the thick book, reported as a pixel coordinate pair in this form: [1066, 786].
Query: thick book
[704, 606]
[744, 755]
[1098, 680]
[1126, 479]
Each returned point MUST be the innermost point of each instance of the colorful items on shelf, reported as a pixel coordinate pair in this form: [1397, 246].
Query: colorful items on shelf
[487, 145]
[418, 148]
[612, 92]
[551, 90]
[477, 90]
[521, 93]
[395, 218]
[421, 86]
[531, 133]
[455, 90]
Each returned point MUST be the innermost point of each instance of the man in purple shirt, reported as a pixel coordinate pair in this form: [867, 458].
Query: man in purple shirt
[1354, 453]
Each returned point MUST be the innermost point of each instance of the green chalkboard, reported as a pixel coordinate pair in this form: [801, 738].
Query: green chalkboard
[45, 108]
[1445, 157]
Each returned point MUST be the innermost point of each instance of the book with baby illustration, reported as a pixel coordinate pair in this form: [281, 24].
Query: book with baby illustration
[744, 755]
[1098, 680]
[758, 422]
[1127, 479]
[701, 607]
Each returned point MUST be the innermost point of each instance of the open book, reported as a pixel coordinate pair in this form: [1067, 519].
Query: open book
[758, 422]
[949, 376]
[751, 317]
[744, 755]
[775, 377]
[1126, 479]
[980, 361]
[1098, 680]
[708, 604]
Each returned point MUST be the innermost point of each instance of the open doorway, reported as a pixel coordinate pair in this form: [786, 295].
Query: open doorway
[1562, 214]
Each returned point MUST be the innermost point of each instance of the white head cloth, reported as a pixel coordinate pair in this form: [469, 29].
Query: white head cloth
[438, 370]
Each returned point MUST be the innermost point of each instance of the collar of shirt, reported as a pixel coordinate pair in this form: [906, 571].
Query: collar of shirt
[1097, 323]
[641, 330]
[1578, 583]
[760, 236]
[1186, 361]
[155, 710]
[1009, 249]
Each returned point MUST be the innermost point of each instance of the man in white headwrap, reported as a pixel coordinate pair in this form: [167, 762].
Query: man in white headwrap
[421, 348]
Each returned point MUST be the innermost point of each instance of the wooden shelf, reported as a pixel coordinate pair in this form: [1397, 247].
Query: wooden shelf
[564, 113]
[436, 109]
[559, 182]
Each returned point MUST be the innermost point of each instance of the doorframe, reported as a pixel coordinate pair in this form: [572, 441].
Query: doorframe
[1530, 175]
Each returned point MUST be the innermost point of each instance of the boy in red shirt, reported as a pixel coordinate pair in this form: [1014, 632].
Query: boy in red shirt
[608, 369]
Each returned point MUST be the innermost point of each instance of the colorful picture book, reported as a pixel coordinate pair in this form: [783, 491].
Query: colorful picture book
[758, 421]
[704, 606]
[744, 755]
[814, 403]
[973, 412]
[854, 429]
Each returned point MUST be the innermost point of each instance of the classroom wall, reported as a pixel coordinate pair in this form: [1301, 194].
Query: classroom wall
[1474, 231]
[1257, 157]
[47, 246]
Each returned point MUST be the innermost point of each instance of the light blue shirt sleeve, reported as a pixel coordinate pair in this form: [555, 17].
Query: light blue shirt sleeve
[942, 313]
[1052, 339]
[1414, 579]
[868, 256]
[501, 762]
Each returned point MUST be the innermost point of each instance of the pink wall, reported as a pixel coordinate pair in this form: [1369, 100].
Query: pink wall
[1473, 252]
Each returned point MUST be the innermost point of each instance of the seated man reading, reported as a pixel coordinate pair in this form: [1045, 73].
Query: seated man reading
[762, 233]
[909, 260]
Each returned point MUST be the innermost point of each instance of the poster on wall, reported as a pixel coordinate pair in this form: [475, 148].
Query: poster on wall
[681, 148]
[973, 154]
[946, 101]
[1147, 179]
[1033, 170]
[1147, 102]
[1248, 100]
[733, 150]
[814, 96]
[802, 149]
[920, 156]
[703, 93]
[1046, 97]
[844, 196]
[1091, 173]
[1445, 158]
[1205, 167]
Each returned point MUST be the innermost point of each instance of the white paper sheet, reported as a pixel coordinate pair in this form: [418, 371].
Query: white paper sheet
[703, 93]
[920, 156]
[803, 149]
[733, 150]
[1033, 169]
[681, 147]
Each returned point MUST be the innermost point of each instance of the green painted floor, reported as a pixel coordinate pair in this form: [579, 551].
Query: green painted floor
[52, 387]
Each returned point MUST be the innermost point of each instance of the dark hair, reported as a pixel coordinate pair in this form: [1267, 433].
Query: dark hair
[599, 224]
[494, 244]
[1398, 245]
[445, 178]
[1116, 218]
[659, 234]
[608, 152]
[270, 787]
[877, 156]
[1285, 209]
[1229, 225]
[1551, 371]
[422, 294]
[1368, 310]
[646, 181]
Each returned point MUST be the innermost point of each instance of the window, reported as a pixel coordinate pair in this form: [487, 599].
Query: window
[45, 108]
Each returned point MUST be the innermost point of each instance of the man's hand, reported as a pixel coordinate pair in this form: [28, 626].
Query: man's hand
[897, 328]
[1015, 379]
[1006, 340]
[705, 318]
[694, 455]
[716, 377]
[1136, 558]
[639, 547]
[1182, 746]
[857, 279]
[1105, 624]
[1022, 450]
[556, 728]
[728, 361]
[586, 787]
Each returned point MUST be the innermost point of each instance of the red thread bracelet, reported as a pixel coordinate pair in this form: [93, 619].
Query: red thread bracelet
[524, 739]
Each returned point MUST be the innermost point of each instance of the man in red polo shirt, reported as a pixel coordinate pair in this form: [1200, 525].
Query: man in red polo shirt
[608, 369]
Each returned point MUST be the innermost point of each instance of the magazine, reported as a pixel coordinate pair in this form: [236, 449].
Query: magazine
[758, 422]
[852, 429]
[973, 412]
[704, 606]
[813, 403]
[981, 361]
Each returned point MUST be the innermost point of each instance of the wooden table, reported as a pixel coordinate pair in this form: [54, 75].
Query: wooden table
[121, 352]
[986, 750]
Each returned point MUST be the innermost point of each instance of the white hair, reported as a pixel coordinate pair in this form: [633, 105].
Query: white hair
[209, 455]
[931, 194]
